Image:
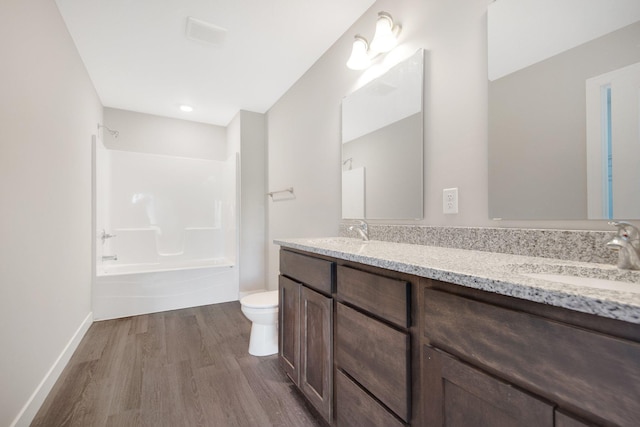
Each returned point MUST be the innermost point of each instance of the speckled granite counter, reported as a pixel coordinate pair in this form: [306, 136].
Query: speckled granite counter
[493, 272]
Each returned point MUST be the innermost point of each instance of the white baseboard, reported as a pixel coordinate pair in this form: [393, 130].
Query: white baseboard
[30, 409]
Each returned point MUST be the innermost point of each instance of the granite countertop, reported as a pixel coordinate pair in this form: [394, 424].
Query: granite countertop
[493, 272]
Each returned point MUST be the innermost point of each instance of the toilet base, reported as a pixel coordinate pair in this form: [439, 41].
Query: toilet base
[263, 340]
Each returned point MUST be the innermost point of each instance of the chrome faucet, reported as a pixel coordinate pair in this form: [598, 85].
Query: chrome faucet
[362, 228]
[627, 243]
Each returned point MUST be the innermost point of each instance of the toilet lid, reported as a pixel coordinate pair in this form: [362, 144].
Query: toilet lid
[261, 299]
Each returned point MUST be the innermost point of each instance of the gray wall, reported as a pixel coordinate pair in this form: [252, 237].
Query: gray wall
[48, 113]
[246, 134]
[147, 133]
[304, 125]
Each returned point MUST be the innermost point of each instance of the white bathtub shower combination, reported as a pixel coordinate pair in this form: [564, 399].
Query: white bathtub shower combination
[166, 233]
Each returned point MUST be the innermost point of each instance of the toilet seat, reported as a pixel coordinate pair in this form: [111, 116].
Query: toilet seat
[261, 300]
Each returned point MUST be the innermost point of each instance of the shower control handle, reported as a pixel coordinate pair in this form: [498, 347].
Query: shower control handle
[104, 236]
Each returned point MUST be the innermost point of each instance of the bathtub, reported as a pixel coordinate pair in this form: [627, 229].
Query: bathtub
[149, 277]
[166, 233]
[122, 290]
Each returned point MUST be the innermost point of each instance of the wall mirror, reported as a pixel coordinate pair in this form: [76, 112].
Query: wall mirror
[564, 109]
[382, 145]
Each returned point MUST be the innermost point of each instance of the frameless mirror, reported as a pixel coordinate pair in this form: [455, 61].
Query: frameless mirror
[382, 145]
[564, 109]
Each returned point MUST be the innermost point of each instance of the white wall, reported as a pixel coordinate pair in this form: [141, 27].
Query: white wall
[304, 125]
[147, 133]
[48, 113]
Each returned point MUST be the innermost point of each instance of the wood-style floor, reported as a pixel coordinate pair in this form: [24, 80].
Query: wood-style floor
[179, 368]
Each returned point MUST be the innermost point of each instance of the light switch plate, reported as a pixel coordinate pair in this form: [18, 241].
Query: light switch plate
[450, 201]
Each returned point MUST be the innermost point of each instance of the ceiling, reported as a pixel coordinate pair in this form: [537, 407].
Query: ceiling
[139, 57]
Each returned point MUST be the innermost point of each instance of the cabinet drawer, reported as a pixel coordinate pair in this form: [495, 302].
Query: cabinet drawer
[376, 356]
[382, 296]
[355, 408]
[314, 272]
[596, 374]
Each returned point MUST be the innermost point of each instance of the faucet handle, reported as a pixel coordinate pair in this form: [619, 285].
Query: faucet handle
[104, 235]
[626, 229]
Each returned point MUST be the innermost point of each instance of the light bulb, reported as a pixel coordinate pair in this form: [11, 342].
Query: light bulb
[386, 34]
[359, 59]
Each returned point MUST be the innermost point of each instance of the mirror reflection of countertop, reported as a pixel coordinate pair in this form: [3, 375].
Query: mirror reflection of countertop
[530, 278]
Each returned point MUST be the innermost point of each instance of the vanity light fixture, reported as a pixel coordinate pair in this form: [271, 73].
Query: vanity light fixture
[384, 39]
[186, 108]
[386, 36]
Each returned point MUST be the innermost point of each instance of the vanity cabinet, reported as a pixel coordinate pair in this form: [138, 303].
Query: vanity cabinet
[511, 367]
[306, 326]
[372, 349]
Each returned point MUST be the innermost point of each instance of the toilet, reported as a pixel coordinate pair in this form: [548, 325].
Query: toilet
[262, 309]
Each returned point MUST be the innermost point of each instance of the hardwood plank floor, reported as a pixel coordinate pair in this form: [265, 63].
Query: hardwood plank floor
[178, 368]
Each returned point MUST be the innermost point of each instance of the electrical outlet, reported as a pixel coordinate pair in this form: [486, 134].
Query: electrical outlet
[450, 201]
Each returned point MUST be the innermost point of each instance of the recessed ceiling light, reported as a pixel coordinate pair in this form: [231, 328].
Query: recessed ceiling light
[186, 108]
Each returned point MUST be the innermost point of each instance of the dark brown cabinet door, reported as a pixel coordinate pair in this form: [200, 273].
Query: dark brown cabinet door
[289, 330]
[316, 355]
[458, 395]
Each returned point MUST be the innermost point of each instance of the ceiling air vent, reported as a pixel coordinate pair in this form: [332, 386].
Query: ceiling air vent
[205, 32]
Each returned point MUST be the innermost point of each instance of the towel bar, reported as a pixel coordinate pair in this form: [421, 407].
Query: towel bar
[286, 190]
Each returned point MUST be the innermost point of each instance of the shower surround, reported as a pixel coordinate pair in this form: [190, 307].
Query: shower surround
[166, 232]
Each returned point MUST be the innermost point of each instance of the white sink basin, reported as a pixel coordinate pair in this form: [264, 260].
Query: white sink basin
[589, 282]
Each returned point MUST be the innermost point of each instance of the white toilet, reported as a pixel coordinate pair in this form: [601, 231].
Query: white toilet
[262, 309]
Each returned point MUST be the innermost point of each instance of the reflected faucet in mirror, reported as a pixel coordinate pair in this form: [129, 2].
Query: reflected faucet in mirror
[362, 228]
[350, 161]
[627, 243]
